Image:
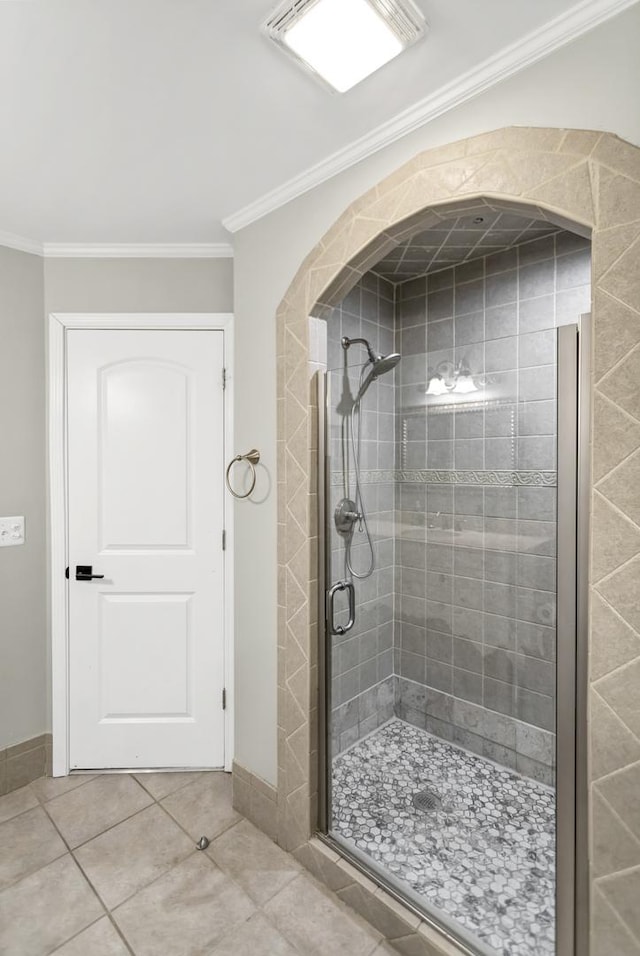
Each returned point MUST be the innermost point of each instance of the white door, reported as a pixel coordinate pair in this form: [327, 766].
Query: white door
[145, 511]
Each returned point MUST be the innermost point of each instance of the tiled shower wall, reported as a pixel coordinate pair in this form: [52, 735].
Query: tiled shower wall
[475, 520]
[470, 614]
[362, 679]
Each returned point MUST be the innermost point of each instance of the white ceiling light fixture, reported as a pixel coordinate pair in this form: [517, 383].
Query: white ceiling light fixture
[344, 41]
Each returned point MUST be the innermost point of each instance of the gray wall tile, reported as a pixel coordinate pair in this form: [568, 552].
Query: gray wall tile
[463, 640]
[536, 314]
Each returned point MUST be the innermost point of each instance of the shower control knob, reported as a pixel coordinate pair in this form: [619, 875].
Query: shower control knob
[346, 515]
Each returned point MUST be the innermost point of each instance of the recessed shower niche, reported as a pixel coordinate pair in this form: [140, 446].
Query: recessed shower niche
[449, 458]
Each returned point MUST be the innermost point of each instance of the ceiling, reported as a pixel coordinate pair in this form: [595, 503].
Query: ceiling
[150, 121]
[458, 240]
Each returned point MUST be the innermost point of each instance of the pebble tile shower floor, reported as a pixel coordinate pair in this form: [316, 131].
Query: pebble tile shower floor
[485, 857]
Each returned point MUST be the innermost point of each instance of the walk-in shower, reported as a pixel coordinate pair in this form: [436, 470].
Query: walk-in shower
[450, 489]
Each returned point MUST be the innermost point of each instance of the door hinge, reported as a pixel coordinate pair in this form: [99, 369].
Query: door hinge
[224, 540]
[66, 573]
[224, 378]
[224, 698]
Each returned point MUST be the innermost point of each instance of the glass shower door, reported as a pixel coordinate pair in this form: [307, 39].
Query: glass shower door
[441, 693]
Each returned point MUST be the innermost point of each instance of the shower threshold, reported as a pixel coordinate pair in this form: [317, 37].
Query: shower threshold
[472, 840]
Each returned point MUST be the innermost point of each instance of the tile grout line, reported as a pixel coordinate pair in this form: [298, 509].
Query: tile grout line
[95, 836]
[75, 935]
[598, 492]
[42, 800]
[608, 877]
[612, 471]
[20, 813]
[605, 579]
[619, 820]
[615, 368]
[619, 719]
[350, 912]
[208, 856]
[32, 870]
[228, 876]
[623, 921]
[615, 672]
[106, 908]
[108, 911]
[89, 883]
[615, 773]
[181, 786]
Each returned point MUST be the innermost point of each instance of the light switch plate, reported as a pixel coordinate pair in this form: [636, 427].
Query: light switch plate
[11, 531]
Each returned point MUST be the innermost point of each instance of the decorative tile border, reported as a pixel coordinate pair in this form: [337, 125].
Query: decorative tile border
[546, 479]
[582, 180]
[370, 477]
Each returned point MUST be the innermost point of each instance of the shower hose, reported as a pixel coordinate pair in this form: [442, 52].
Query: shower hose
[355, 433]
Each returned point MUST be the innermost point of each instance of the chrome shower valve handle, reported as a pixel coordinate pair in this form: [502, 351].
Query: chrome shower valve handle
[346, 515]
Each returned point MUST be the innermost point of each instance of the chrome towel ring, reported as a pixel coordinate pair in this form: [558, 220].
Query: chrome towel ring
[252, 458]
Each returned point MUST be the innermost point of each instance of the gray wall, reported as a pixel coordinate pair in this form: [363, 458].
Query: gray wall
[475, 603]
[591, 83]
[138, 285]
[29, 289]
[23, 645]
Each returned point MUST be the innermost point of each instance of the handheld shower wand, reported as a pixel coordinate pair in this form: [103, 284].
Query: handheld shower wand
[350, 511]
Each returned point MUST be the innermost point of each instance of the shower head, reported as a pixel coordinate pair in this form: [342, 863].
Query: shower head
[379, 363]
[379, 366]
[384, 363]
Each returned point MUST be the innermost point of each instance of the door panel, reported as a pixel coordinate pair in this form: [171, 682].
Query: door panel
[146, 460]
[142, 479]
[139, 628]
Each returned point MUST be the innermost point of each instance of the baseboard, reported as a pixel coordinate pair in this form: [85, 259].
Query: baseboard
[24, 762]
[256, 800]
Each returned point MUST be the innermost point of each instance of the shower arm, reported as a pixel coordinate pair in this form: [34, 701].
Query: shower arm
[346, 343]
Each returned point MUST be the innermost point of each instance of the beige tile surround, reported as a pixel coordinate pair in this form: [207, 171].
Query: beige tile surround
[586, 181]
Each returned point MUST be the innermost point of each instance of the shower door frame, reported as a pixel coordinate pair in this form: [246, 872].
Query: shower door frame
[572, 524]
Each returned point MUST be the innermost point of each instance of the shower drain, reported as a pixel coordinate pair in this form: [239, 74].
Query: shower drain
[427, 800]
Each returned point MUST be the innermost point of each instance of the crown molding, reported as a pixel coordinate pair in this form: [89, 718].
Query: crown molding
[21, 243]
[138, 250]
[512, 59]
[118, 250]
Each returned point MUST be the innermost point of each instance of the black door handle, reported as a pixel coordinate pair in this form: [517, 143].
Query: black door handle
[84, 572]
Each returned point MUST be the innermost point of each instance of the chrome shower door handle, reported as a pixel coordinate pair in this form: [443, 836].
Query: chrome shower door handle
[331, 594]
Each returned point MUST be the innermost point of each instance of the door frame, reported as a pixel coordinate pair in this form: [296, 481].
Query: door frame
[58, 325]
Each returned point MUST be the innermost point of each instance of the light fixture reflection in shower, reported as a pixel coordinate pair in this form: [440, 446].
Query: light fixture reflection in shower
[437, 386]
[449, 378]
[465, 384]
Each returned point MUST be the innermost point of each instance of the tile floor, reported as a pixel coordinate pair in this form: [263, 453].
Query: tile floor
[107, 866]
[485, 857]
